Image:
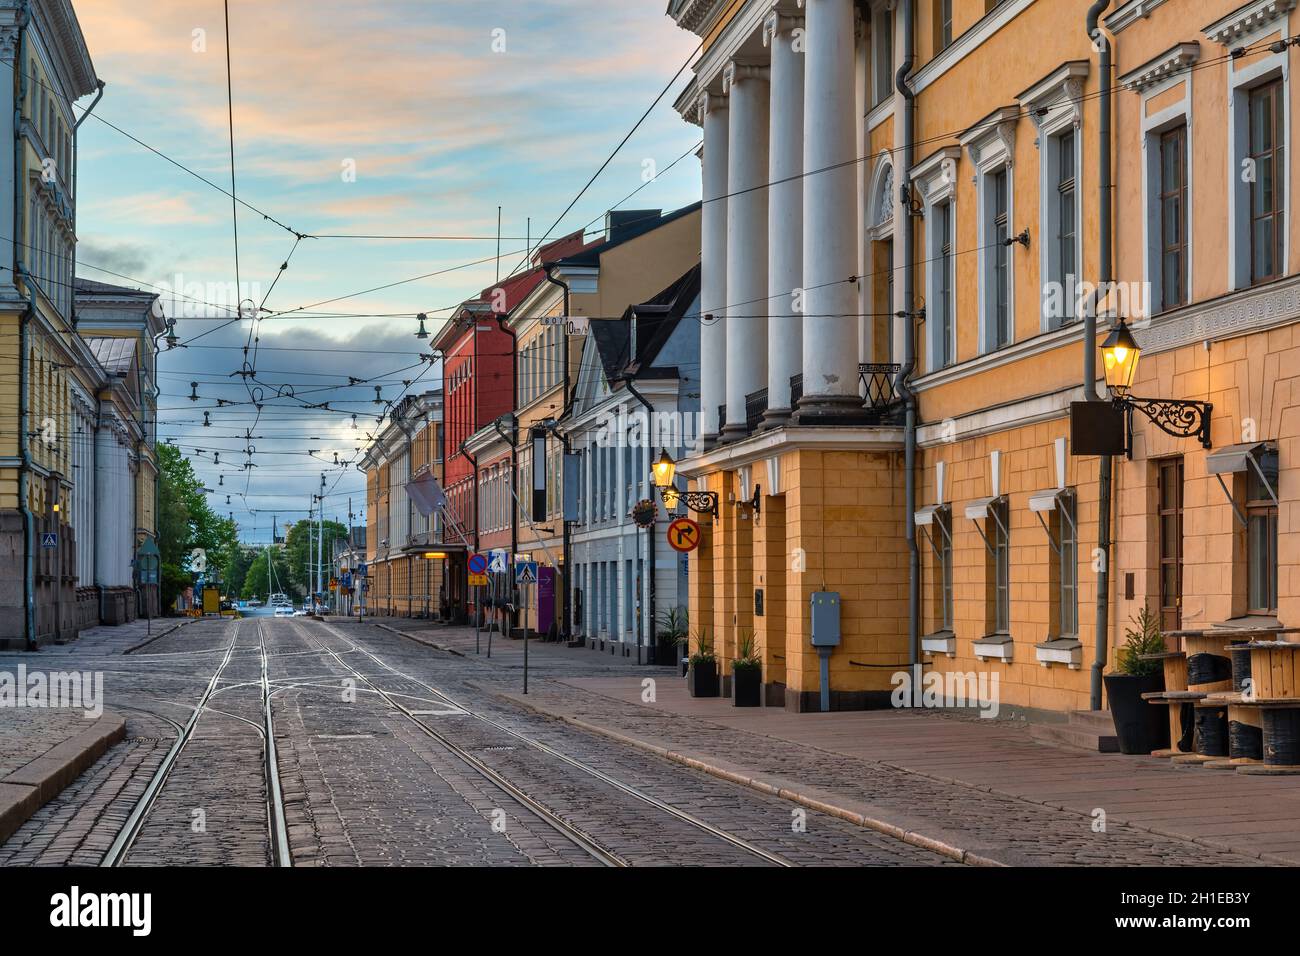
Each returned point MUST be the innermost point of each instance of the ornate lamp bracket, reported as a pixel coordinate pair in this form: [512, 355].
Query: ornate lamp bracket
[1181, 418]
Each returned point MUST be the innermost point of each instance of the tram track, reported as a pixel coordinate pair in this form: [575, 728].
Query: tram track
[120, 849]
[576, 834]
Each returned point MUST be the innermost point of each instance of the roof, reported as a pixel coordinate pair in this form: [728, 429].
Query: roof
[625, 228]
[643, 330]
[516, 288]
[93, 287]
[115, 353]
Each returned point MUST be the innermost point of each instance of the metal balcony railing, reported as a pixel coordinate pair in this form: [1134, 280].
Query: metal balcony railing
[755, 406]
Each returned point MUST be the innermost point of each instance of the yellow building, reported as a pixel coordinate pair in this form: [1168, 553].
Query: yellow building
[908, 272]
[641, 253]
[46, 68]
[404, 582]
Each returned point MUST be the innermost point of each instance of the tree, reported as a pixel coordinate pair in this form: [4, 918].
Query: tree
[255, 584]
[300, 545]
[192, 538]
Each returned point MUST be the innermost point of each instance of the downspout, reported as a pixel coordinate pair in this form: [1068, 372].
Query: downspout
[564, 439]
[72, 293]
[909, 353]
[24, 364]
[650, 536]
[496, 422]
[1105, 252]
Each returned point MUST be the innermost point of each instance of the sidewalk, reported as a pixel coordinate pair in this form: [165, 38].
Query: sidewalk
[982, 791]
[42, 750]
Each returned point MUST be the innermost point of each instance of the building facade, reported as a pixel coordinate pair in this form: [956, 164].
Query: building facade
[637, 392]
[933, 236]
[640, 254]
[402, 580]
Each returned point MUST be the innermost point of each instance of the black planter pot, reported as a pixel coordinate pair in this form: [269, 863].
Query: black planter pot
[1140, 726]
[746, 686]
[702, 679]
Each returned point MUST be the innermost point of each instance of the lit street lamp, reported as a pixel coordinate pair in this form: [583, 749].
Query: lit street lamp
[1181, 418]
[701, 502]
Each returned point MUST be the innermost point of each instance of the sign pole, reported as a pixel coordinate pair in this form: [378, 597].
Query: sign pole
[525, 603]
[478, 609]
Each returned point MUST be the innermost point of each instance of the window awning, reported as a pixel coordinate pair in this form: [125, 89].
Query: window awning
[978, 509]
[925, 515]
[1233, 459]
[1044, 500]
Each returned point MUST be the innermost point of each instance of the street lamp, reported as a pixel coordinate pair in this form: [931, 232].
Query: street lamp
[701, 502]
[1181, 418]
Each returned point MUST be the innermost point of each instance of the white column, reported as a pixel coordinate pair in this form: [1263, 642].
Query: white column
[713, 263]
[747, 304]
[831, 216]
[785, 213]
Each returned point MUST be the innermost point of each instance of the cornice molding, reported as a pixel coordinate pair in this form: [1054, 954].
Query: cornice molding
[1247, 20]
[1161, 68]
[1129, 13]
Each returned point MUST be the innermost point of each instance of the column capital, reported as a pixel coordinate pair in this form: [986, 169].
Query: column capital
[776, 23]
[737, 71]
[710, 103]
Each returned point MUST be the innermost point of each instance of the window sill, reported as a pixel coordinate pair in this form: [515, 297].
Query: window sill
[940, 642]
[1061, 650]
[998, 647]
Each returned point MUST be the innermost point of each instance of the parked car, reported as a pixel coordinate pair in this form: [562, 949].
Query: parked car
[284, 610]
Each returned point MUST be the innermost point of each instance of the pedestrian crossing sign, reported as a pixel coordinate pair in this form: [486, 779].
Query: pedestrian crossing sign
[526, 572]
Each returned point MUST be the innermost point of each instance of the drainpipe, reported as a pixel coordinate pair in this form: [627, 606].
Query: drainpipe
[567, 545]
[514, 404]
[649, 410]
[72, 293]
[1104, 274]
[24, 412]
[909, 354]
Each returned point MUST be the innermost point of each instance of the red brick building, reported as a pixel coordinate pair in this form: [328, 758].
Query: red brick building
[479, 379]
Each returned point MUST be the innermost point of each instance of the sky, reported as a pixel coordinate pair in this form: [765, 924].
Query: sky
[388, 118]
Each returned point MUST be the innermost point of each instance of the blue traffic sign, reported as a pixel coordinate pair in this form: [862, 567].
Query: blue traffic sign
[49, 539]
[526, 572]
[478, 564]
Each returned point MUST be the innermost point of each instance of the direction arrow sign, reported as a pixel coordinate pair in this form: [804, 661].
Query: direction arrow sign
[478, 564]
[683, 535]
[526, 572]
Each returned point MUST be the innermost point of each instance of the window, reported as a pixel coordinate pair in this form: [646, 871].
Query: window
[1267, 228]
[1173, 217]
[942, 25]
[1000, 272]
[1066, 239]
[882, 55]
[998, 567]
[947, 307]
[1170, 493]
[1261, 534]
[941, 547]
[1067, 570]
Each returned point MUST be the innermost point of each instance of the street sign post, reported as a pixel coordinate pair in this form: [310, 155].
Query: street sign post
[525, 575]
[477, 565]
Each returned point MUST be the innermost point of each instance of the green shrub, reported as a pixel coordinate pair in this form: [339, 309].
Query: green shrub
[1143, 638]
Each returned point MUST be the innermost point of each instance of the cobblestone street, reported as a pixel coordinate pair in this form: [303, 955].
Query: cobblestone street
[390, 751]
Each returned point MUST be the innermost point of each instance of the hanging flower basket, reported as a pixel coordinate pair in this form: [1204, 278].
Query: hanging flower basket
[644, 513]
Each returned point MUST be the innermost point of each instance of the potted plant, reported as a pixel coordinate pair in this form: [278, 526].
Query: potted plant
[672, 636]
[702, 678]
[1140, 727]
[746, 672]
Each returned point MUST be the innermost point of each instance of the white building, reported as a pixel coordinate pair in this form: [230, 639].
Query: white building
[637, 393]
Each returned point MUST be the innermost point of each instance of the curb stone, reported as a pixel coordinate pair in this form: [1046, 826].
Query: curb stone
[812, 803]
[161, 634]
[29, 788]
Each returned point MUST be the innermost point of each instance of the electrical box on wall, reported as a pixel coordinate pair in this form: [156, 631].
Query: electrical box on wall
[758, 602]
[825, 607]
